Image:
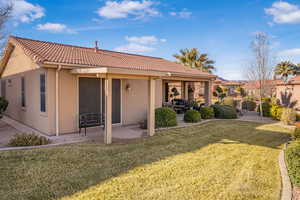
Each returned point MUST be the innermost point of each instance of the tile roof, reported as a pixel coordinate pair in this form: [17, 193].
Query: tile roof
[293, 81]
[43, 52]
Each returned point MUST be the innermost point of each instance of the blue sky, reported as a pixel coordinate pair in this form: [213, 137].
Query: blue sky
[221, 28]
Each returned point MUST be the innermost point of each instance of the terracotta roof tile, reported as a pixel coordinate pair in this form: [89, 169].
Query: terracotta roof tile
[42, 52]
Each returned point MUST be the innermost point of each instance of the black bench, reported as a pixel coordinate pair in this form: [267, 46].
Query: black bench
[180, 105]
[90, 120]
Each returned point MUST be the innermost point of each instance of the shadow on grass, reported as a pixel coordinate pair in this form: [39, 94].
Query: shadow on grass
[59, 172]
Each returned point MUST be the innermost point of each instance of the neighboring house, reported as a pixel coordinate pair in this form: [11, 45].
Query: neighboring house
[292, 86]
[231, 86]
[48, 85]
[252, 88]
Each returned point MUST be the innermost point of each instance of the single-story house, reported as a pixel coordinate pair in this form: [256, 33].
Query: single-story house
[48, 85]
[293, 87]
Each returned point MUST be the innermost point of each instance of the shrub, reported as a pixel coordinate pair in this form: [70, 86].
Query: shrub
[288, 116]
[297, 133]
[3, 105]
[297, 117]
[266, 99]
[224, 112]
[229, 101]
[249, 105]
[207, 112]
[165, 117]
[276, 111]
[266, 107]
[28, 140]
[192, 116]
[293, 162]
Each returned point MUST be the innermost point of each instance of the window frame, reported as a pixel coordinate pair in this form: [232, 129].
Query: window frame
[23, 92]
[43, 93]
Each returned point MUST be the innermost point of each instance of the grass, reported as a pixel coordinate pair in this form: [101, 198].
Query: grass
[215, 160]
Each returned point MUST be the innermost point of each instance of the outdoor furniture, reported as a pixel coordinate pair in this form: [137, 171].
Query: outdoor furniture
[180, 105]
[87, 120]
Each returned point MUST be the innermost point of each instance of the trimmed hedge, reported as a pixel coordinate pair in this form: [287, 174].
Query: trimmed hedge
[229, 101]
[293, 162]
[249, 105]
[3, 105]
[207, 112]
[276, 111]
[296, 135]
[266, 108]
[28, 140]
[192, 116]
[297, 117]
[165, 117]
[224, 112]
[288, 116]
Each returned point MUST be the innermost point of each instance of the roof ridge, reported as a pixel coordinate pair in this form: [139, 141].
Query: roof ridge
[89, 48]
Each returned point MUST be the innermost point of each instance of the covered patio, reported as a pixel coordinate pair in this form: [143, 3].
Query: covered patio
[113, 126]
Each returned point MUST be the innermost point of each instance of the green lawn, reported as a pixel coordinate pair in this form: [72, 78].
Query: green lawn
[215, 160]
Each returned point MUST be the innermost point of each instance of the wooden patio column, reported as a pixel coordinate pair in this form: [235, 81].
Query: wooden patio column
[108, 111]
[208, 92]
[151, 107]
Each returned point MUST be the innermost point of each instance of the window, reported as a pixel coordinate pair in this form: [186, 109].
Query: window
[23, 101]
[43, 92]
[3, 88]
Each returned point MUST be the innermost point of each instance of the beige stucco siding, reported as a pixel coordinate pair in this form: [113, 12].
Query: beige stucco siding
[135, 101]
[68, 102]
[18, 66]
[30, 114]
[18, 63]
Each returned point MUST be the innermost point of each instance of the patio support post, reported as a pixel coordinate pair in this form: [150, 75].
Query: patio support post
[57, 100]
[108, 111]
[151, 107]
[208, 92]
[182, 92]
[186, 90]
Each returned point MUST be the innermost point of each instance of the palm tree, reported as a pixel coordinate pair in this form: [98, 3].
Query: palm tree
[285, 69]
[194, 59]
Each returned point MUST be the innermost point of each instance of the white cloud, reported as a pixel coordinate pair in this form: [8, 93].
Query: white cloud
[134, 48]
[54, 28]
[284, 13]
[182, 14]
[126, 8]
[290, 52]
[140, 44]
[144, 39]
[23, 11]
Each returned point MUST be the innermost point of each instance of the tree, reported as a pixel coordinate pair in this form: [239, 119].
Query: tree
[194, 59]
[220, 93]
[285, 69]
[259, 69]
[5, 12]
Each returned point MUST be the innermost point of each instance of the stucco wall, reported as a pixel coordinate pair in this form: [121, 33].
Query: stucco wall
[18, 66]
[30, 114]
[135, 101]
[68, 118]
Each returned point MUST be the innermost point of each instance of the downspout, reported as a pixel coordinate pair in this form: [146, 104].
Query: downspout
[57, 100]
